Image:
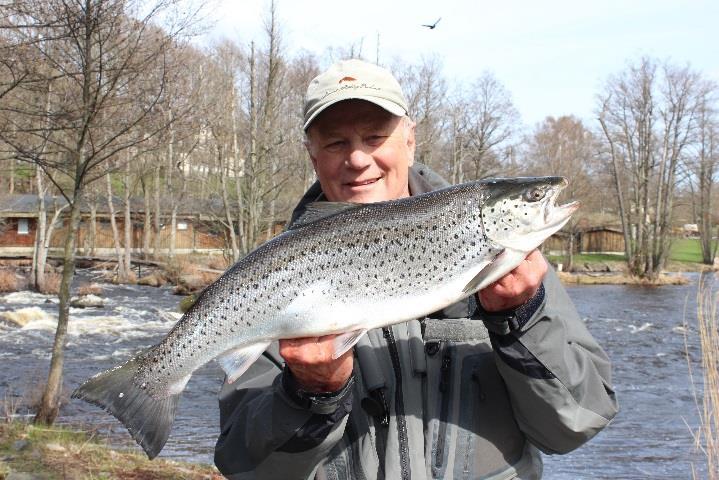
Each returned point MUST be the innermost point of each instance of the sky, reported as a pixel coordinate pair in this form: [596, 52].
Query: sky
[552, 56]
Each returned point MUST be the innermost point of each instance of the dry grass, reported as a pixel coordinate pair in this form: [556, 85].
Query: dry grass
[51, 284]
[9, 406]
[706, 437]
[217, 262]
[619, 279]
[180, 269]
[90, 289]
[61, 452]
[8, 281]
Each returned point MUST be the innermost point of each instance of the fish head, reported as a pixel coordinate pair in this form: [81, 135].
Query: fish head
[520, 213]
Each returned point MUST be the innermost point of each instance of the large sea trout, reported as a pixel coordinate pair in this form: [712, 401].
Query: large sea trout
[343, 269]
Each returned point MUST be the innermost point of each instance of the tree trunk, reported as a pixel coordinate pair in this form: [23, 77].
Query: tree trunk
[121, 272]
[147, 224]
[156, 195]
[127, 257]
[37, 277]
[11, 186]
[226, 204]
[93, 227]
[50, 402]
[173, 231]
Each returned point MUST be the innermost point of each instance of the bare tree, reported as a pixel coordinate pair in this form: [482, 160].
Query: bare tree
[647, 114]
[704, 165]
[564, 146]
[93, 52]
[426, 92]
[491, 122]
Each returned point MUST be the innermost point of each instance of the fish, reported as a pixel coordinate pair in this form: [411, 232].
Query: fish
[339, 269]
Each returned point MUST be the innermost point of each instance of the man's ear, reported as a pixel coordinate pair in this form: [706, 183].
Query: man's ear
[308, 147]
[411, 142]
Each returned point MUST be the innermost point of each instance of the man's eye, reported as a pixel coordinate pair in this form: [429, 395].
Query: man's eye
[334, 145]
[375, 139]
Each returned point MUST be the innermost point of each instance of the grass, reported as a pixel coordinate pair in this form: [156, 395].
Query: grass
[581, 258]
[687, 250]
[60, 453]
[706, 437]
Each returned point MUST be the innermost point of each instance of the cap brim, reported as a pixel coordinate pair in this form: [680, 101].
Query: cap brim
[388, 105]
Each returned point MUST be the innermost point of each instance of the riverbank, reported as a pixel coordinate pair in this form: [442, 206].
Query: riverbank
[29, 452]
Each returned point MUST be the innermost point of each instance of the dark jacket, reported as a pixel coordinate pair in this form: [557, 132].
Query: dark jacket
[460, 394]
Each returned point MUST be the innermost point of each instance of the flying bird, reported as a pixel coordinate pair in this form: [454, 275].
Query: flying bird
[431, 27]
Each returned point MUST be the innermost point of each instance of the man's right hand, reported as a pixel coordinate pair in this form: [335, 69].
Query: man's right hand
[310, 360]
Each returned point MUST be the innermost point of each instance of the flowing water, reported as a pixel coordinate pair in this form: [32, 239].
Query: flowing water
[642, 329]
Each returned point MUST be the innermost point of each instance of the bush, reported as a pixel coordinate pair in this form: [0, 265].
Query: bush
[9, 281]
[90, 289]
[51, 284]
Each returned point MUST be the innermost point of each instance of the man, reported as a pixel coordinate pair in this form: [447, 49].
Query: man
[473, 391]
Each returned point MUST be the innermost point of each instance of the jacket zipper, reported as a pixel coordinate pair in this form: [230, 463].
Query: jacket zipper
[444, 388]
[399, 405]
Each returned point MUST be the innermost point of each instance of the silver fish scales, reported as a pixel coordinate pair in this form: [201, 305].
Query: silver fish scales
[342, 269]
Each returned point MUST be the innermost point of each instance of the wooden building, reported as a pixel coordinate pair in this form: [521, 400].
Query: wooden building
[196, 231]
[599, 239]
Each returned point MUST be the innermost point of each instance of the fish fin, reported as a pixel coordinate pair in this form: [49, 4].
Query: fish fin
[502, 264]
[318, 210]
[148, 419]
[347, 340]
[236, 361]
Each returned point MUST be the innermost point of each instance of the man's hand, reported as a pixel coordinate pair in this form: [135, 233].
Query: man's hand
[311, 362]
[517, 287]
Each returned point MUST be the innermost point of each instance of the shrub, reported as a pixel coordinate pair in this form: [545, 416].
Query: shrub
[51, 284]
[90, 289]
[9, 281]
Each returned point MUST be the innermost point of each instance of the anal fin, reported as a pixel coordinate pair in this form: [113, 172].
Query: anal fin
[236, 361]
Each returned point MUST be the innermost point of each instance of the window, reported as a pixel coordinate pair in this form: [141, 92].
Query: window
[182, 226]
[23, 226]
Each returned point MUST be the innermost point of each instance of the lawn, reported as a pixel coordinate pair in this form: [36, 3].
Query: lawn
[684, 250]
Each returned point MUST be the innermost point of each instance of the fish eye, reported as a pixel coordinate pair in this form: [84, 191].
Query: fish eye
[534, 194]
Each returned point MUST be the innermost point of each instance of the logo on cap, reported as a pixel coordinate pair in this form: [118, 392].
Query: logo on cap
[347, 79]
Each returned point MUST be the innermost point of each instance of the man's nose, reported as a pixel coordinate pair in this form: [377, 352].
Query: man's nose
[358, 158]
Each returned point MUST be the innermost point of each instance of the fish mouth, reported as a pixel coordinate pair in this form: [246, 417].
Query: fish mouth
[557, 215]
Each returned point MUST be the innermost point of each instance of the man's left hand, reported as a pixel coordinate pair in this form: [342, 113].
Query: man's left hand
[517, 287]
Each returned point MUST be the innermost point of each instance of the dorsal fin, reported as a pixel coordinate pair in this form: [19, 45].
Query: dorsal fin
[317, 210]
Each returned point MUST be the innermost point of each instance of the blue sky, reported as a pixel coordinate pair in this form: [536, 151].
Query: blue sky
[553, 56]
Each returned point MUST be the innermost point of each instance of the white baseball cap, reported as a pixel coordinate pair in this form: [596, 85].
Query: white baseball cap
[353, 79]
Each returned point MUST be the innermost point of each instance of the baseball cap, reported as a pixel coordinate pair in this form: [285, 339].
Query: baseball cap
[353, 79]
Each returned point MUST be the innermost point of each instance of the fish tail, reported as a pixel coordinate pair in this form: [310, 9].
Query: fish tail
[148, 419]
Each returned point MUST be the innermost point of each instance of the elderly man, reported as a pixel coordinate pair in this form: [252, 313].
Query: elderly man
[473, 391]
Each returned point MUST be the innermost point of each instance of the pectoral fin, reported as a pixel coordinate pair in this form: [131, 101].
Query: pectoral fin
[345, 341]
[502, 264]
[235, 362]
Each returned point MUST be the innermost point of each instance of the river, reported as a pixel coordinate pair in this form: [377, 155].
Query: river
[641, 328]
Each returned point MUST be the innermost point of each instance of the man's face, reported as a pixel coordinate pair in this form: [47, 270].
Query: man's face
[361, 152]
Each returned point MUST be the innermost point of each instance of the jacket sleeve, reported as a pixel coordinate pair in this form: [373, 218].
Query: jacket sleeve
[265, 434]
[557, 376]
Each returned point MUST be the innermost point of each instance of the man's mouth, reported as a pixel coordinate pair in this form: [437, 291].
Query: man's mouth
[362, 183]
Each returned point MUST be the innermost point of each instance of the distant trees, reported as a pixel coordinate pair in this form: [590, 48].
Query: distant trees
[82, 104]
[648, 115]
[703, 166]
[564, 146]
